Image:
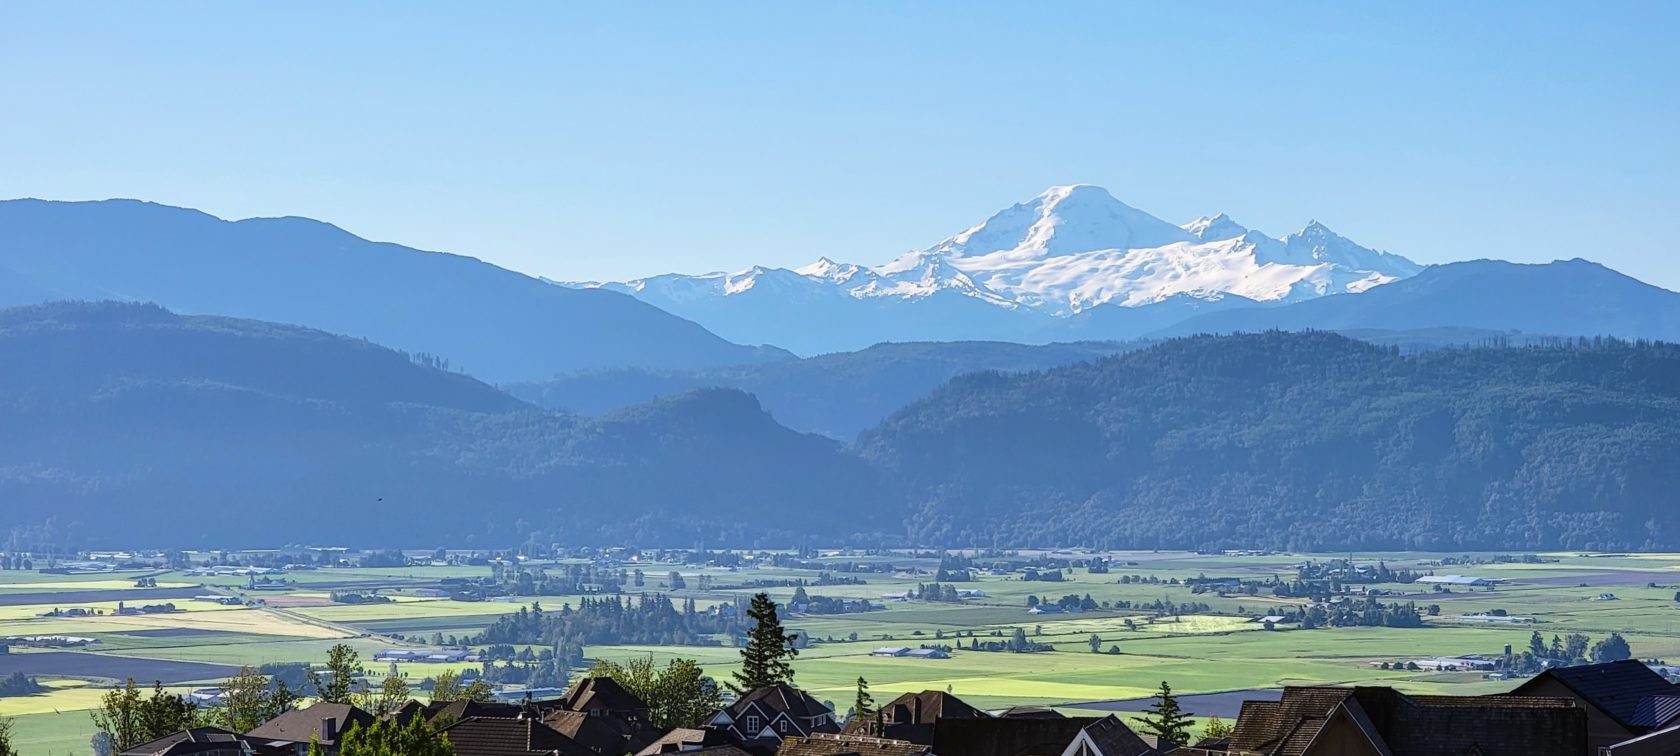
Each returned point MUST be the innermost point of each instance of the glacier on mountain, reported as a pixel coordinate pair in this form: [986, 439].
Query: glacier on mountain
[1071, 262]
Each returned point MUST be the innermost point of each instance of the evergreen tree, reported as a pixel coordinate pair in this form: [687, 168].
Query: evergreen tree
[863, 707]
[768, 656]
[6, 748]
[1165, 720]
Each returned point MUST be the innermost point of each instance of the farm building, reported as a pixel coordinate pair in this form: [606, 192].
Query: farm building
[890, 651]
[1464, 580]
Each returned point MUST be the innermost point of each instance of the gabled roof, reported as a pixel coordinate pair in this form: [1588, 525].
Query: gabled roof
[602, 693]
[196, 740]
[1111, 737]
[1400, 725]
[455, 711]
[299, 725]
[682, 738]
[848, 745]
[495, 736]
[1618, 689]
[1030, 736]
[603, 734]
[778, 698]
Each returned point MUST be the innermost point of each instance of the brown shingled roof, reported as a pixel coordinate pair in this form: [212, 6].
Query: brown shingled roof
[1404, 725]
[493, 736]
[848, 745]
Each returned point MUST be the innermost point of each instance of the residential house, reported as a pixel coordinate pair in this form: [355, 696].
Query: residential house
[911, 717]
[499, 736]
[1108, 737]
[849, 745]
[324, 722]
[200, 741]
[1373, 721]
[687, 740]
[1623, 699]
[999, 736]
[763, 717]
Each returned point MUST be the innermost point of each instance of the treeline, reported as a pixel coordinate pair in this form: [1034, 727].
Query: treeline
[648, 619]
[1302, 442]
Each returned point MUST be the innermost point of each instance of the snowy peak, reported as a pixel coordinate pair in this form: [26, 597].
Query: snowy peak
[1063, 220]
[1217, 228]
[1028, 269]
[1316, 243]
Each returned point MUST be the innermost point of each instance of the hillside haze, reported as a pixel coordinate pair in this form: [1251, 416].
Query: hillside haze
[129, 424]
[494, 323]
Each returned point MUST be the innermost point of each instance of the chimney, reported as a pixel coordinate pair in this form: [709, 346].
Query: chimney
[329, 729]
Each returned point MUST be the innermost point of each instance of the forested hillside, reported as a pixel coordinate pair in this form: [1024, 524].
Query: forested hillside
[130, 424]
[1307, 440]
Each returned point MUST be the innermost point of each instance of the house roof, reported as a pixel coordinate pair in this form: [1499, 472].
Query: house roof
[685, 737]
[911, 716]
[455, 711]
[601, 693]
[779, 698]
[1031, 712]
[496, 736]
[1402, 725]
[848, 745]
[1113, 738]
[1619, 689]
[602, 734]
[1032, 736]
[196, 740]
[299, 725]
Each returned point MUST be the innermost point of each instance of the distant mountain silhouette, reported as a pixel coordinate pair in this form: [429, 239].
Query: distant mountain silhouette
[126, 423]
[837, 395]
[1563, 298]
[494, 323]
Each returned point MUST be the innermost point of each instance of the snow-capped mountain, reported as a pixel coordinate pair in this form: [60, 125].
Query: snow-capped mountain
[1073, 262]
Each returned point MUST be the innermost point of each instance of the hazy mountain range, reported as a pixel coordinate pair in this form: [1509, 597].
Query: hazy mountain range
[130, 425]
[275, 403]
[1071, 263]
[495, 323]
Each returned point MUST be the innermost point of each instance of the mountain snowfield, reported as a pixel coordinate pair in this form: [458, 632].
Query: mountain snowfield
[1073, 262]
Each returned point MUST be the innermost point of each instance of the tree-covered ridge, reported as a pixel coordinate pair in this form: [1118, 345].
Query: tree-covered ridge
[1302, 441]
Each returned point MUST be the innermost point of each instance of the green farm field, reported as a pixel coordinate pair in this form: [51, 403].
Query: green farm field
[1213, 649]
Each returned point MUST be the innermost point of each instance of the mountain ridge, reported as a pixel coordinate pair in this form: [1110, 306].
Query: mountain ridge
[312, 273]
[1059, 265]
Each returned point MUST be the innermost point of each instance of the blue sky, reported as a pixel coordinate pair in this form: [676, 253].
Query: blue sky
[612, 140]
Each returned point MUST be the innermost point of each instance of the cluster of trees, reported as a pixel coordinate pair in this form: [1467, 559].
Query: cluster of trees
[953, 568]
[1018, 643]
[19, 684]
[16, 563]
[352, 597]
[126, 717]
[1569, 650]
[678, 694]
[1341, 572]
[649, 619]
[936, 592]
[387, 738]
[1367, 613]
[828, 604]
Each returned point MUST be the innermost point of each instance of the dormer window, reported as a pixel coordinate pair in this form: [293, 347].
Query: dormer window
[782, 726]
[752, 725]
